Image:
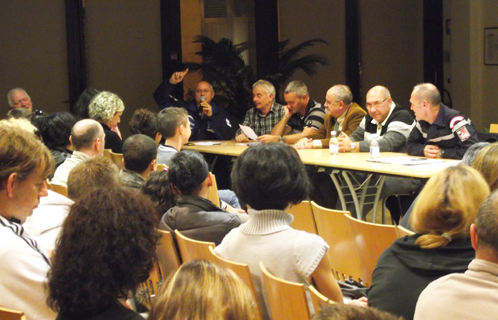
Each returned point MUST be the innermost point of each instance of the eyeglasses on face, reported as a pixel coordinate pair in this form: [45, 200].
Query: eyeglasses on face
[375, 104]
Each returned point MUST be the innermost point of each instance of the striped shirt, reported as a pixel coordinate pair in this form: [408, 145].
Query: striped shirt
[313, 118]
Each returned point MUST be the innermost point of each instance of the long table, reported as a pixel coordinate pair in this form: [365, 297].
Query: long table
[355, 161]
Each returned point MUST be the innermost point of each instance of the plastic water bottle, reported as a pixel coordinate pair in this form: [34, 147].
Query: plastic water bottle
[374, 147]
[333, 144]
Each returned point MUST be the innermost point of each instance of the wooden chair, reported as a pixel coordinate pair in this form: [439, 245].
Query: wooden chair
[401, 232]
[334, 228]
[303, 217]
[213, 192]
[241, 270]
[167, 255]
[371, 240]
[117, 158]
[161, 167]
[149, 289]
[107, 154]
[493, 128]
[287, 300]
[8, 314]
[191, 249]
[59, 189]
[318, 299]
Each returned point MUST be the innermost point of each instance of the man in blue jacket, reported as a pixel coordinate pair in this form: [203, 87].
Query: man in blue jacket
[208, 121]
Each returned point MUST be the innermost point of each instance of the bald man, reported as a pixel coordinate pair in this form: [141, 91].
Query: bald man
[440, 132]
[88, 140]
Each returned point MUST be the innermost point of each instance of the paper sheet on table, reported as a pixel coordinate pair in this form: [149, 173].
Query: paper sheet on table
[407, 161]
[249, 132]
[207, 143]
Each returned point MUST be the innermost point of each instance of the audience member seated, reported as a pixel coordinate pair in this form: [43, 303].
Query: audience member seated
[468, 159]
[88, 140]
[337, 311]
[55, 129]
[174, 127]
[105, 250]
[303, 116]
[207, 119]
[158, 189]
[47, 219]
[144, 121]
[19, 98]
[200, 289]
[19, 113]
[25, 163]
[80, 108]
[107, 108]
[486, 162]
[265, 114]
[293, 255]
[474, 294]
[139, 157]
[194, 215]
[441, 220]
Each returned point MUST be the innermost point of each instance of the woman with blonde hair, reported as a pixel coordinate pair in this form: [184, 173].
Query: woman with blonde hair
[486, 163]
[107, 108]
[201, 290]
[441, 219]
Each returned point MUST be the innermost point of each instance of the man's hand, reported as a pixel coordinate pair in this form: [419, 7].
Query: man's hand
[287, 112]
[267, 138]
[231, 209]
[207, 110]
[344, 142]
[177, 77]
[432, 151]
[241, 138]
[304, 143]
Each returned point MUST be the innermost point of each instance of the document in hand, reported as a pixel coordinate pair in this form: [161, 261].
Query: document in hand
[249, 132]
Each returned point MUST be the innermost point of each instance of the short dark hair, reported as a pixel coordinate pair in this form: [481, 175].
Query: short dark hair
[340, 311]
[138, 152]
[270, 176]
[487, 223]
[91, 173]
[169, 119]
[86, 138]
[55, 129]
[158, 189]
[105, 249]
[187, 170]
[80, 108]
[144, 121]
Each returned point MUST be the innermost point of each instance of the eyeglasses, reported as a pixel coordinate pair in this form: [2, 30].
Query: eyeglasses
[375, 104]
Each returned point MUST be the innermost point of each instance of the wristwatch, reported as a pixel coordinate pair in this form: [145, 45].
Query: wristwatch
[352, 146]
[283, 138]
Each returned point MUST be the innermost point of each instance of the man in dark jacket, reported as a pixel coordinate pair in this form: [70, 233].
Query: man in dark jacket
[208, 120]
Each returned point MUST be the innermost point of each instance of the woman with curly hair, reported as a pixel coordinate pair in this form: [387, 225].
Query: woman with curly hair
[105, 250]
[158, 189]
[202, 290]
[107, 108]
[441, 219]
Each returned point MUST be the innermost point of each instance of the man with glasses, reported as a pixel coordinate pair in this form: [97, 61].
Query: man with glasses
[389, 121]
[343, 115]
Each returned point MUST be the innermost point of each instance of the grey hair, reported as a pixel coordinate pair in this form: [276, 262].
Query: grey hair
[9, 100]
[428, 92]
[265, 84]
[342, 93]
[298, 87]
[472, 151]
[104, 106]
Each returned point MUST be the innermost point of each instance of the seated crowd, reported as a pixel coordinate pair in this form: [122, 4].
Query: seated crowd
[82, 256]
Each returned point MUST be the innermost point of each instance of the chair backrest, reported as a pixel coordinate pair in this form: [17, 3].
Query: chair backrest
[59, 189]
[287, 300]
[334, 228]
[167, 255]
[107, 154]
[493, 128]
[161, 167]
[191, 249]
[149, 289]
[318, 299]
[117, 158]
[8, 314]
[303, 217]
[403, 232]
[213, 192]
[371, 240]
[242, 271]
